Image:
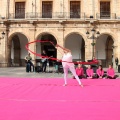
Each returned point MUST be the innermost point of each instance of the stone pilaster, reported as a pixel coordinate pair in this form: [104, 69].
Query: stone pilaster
[88, 50]
[32, 46]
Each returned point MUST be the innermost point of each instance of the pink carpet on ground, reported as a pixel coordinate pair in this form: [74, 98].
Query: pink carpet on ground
[47, 99]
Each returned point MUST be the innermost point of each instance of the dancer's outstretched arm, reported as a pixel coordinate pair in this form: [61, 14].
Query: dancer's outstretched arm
[64, 49]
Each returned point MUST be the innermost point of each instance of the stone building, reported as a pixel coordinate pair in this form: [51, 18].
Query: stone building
[64, 22]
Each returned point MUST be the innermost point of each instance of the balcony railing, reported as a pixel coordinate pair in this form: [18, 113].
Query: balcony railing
[106, 15]
[16, 15]
[60, 15]
[56, 15]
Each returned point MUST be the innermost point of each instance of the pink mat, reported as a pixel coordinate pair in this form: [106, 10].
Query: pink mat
[47, 99]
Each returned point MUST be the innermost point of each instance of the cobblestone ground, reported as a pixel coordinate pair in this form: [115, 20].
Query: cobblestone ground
[21, 72]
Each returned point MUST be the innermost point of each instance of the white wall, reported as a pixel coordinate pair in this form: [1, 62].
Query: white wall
[23, 42]
[73, 42]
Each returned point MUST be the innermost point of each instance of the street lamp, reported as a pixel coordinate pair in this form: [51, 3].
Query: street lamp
[2, 37]
[94, 36]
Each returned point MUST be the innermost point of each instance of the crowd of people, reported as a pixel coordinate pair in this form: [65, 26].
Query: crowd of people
[79, 72]
[89, 73]
[30, 66]
[100, 73]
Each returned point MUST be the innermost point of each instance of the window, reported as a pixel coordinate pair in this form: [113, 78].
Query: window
[47, 9]
[20, 10]
[104, 9]
[74, 9]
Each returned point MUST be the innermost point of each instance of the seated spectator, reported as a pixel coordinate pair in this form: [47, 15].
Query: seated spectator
[111, 73]
[89, 72]
[28, 60]
[100, 72]
[95, 60]
[79, 72]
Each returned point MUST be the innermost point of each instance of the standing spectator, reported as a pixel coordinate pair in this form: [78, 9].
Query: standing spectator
[116, 62]
[44, 61]
[56, 66]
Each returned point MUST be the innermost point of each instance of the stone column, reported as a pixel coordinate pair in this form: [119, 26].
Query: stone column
[7, 49]
[35, 49]
[32, 46]
[88, 50]
[60, 42]
[8, 55]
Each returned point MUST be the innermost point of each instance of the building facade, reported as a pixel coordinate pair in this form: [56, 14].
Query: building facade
[64, 22]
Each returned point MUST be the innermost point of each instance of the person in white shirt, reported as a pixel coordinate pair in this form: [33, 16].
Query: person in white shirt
[68, 65]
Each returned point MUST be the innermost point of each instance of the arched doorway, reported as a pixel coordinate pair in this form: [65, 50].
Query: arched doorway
[104, 49]
[109, 50]
[76, 44]
[47, 46]
[17, 50]
[15, 54]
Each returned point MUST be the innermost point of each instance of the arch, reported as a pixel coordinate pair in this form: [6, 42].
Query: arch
[43, 33]
[109, 51]
[14, 33]
[75, 32]
[104, 49]
[48, 47]
[16, 49]
[110, 34]
[77, 47]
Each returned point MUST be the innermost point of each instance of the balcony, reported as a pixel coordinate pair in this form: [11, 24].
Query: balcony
[106, 15]
[61, 15]
[16, 15]
[56, 15]
[32, 15]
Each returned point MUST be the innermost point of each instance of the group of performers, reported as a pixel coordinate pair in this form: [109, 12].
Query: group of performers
[78, 73]
[28, 60]
[100, 73]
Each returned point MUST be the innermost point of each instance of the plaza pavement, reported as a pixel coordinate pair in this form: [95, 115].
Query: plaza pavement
[21, 72]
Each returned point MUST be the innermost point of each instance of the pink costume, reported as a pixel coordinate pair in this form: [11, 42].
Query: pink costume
[80, 71]
[111, 72]
[100, 72]
[66, 65]
[89, 72]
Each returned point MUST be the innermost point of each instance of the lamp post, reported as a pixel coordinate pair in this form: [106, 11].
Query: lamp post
[95, 35]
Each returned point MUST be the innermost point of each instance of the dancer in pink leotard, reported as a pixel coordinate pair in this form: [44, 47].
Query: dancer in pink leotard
[68, 65]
